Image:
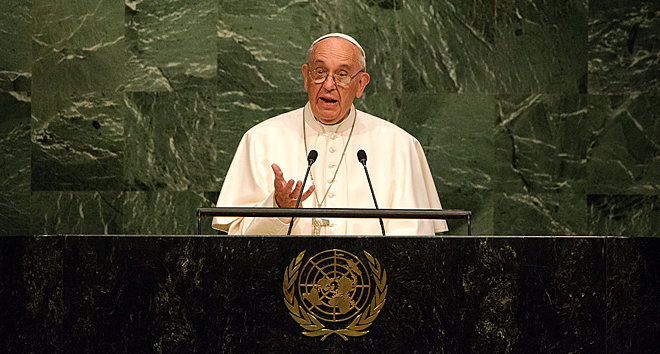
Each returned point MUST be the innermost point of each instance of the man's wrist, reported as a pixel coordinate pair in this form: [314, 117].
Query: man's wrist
[283, 219]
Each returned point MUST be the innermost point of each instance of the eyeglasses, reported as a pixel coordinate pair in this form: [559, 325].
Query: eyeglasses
[342, 78]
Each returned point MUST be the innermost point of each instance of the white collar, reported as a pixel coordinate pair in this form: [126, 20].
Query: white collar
[339, 128]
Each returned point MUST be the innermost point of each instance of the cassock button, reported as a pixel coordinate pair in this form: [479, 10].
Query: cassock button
[331, 195]
[332, 165]
[332, 150]
[334, 136]
[330, 180]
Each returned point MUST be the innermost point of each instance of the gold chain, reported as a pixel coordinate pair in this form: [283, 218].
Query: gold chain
[315, 223]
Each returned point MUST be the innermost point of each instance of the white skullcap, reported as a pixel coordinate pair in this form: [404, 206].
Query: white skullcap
[340, 35]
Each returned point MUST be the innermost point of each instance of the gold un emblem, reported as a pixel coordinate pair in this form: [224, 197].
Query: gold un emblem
[334, 292]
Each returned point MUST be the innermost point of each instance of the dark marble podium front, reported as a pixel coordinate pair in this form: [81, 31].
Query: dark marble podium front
[219, 294]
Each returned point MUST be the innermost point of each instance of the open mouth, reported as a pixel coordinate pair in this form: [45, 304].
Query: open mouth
[328, 100]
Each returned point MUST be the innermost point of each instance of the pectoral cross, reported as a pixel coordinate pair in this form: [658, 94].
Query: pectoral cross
[317, 224]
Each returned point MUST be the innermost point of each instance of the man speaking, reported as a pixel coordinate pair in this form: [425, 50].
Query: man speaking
[277, 149]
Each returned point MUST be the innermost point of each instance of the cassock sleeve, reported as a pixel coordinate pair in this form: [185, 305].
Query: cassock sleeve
[249, 183]
[415, 189]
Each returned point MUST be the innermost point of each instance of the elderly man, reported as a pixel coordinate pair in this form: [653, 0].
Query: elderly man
[334, 75]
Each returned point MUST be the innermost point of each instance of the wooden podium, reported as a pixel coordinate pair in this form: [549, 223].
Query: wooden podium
[225, 294]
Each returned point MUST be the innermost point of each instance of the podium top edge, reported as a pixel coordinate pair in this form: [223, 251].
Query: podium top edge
[439, 237]
[336, 213]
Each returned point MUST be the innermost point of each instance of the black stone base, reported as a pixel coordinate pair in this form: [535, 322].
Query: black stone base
[127, 294]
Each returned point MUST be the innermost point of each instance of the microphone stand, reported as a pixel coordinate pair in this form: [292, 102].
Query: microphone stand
[362, 157]
[310, 160]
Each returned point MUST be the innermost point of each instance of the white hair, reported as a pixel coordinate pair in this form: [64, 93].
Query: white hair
[362, 61]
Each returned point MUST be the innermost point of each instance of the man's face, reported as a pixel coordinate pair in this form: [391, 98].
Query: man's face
[330, 102]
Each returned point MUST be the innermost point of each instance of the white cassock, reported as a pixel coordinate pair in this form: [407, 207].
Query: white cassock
[397, 166]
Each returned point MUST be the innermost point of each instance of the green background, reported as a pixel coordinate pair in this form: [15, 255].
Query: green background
[542, 117]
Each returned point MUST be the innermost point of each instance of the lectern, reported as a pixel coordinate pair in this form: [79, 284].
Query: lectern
[229, 294]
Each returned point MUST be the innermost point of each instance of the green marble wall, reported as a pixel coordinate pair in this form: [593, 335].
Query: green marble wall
[542, 117]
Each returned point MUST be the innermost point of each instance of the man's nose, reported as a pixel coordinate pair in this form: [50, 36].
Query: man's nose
[329, 83]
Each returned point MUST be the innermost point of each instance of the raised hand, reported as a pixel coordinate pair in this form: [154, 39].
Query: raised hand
[286, 193]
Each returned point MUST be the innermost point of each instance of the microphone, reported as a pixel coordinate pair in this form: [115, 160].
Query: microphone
[362, 157]
[311, 158]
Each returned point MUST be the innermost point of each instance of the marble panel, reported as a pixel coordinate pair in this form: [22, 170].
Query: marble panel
[262, 45]
[624, 215]
[15, 41]
[165, 212]
[448, 46]
[624, 155]
[553, 214]
[541, 46]
[171, 45]
[78, 45]
[541, 144]
[455, 131]
[78, 141]
[624, 46]
[174, 141]
[495, 47]
[97, 213]
[15, 161]
[374, 24]
[31, 295]
[632, 301]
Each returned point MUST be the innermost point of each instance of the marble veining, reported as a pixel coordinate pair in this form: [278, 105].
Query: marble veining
[15, 161]
[624, 47]
[78, 141]
[171, 45]
[78, 46]
[15, 39]
[539, 116]
[477, 47]
[624, 156]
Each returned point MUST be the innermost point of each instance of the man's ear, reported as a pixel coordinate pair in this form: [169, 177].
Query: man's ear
[364, 80]
[305, 75]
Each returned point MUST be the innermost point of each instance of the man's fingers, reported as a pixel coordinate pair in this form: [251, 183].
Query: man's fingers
[308, 192]
[289, 186]
[286, 192]
[279, 176]
[282, 193]
[276, 169]
[294, 193]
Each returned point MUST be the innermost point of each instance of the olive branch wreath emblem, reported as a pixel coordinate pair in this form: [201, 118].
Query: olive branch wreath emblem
[313, 327]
